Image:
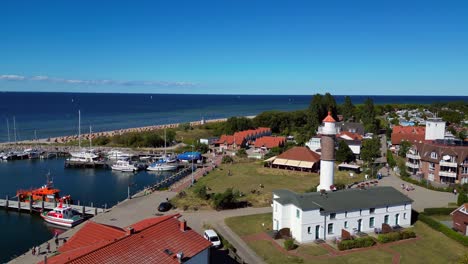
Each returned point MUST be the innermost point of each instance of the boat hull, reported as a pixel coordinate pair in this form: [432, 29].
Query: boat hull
[61, 222]
[162, 168]
[124, 169]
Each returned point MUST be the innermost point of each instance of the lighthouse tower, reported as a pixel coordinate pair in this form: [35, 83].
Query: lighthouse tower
[327, 160]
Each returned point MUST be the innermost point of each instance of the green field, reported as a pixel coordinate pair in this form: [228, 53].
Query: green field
[247, 176]
[433, 247]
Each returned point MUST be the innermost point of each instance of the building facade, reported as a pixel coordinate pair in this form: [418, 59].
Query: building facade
[460, 219]
[439, 161]
[313, 216]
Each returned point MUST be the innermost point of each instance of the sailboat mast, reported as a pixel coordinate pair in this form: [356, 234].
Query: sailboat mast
[79, 128]
[164, 142]
[14, 127]
[8, 129]
[90, 136]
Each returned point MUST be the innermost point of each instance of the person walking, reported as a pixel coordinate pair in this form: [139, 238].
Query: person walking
[33, 251]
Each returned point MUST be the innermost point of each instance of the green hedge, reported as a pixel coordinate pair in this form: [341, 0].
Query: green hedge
[444, 229]
[356, 243]
[395, 236]
[438, 211]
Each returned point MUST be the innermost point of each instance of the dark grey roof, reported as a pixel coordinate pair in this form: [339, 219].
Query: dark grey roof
[351, 126]
[344, 200]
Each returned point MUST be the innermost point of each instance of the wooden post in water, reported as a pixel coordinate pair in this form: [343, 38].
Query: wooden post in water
[6, 202]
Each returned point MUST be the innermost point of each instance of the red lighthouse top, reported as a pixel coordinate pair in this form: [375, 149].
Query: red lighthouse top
[329, 118]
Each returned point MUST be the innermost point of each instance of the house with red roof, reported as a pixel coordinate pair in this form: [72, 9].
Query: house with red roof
[412, 134]
[269, 142]
[460, 219]
[296, 158]
[163, 239]
[241, 139]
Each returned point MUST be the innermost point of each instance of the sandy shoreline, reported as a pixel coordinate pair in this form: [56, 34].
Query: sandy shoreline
[87, 136]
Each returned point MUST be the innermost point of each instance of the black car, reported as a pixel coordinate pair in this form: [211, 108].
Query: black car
[164, 207]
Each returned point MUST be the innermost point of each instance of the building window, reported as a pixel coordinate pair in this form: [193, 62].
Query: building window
[430, 176]
[308, 230]
[433, 155]
[404, 215]
[332, 216]
[431, 166]
[385, 219]
[372, 210]
[298, 214]
[346, 224]
[464, 170]
[330, 228]
[371, 222]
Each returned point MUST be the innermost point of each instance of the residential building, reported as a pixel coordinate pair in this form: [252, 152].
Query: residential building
[241, 139]
[162, 239]
[460, 219]
[269, 142]
[322, 215]
[442, 161]
[411, 134]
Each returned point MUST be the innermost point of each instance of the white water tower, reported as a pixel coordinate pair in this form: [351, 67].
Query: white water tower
[435, 129]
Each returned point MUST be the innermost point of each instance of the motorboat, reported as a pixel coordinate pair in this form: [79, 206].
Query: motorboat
[33, 153]
[124, 165]
[83, 156]
[46, 193]
[118, 155]
[63, 215]
[161, 165]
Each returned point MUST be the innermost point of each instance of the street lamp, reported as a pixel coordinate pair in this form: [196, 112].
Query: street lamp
[192, 166]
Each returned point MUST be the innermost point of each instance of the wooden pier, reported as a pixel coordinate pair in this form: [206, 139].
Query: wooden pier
[47, 206]
[166, 182]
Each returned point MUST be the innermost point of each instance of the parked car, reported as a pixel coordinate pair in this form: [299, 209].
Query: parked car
[211, 236]
[164, 206]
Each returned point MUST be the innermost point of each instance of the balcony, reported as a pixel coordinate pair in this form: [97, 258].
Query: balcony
[413, 156]
[448, 164]
[448, 174]
[412, 165]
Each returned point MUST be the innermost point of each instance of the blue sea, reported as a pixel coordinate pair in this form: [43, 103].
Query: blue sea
[56, 114]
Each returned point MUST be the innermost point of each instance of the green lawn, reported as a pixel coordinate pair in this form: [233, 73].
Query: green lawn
[247, 176]
[433, 247]
[442, 217]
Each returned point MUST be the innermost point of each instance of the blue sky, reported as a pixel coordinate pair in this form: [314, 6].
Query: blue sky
[235, 47]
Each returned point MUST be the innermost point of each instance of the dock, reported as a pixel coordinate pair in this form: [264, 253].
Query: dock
[48, 206]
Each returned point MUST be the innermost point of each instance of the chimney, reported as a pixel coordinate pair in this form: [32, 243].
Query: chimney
[129, 231]
[183, 225]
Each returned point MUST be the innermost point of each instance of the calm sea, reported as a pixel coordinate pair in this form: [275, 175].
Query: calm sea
[56, 114]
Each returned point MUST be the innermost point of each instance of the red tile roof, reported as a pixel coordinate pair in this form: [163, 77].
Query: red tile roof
[301, 154]
[242, 136]
[353, 136]
[269, 142]
[147, 244]
[329, 118]
[408, 133]
[226, 139]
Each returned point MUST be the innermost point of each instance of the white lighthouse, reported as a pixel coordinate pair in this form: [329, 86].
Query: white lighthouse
[327, 160]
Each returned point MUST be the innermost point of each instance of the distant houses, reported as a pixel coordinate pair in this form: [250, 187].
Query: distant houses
[241, 139]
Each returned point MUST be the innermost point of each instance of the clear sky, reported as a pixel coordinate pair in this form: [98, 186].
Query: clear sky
[235, 46]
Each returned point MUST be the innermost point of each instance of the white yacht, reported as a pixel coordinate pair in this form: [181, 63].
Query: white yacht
[124, 165]
[83, 156]
[161, 166]
[118, 155]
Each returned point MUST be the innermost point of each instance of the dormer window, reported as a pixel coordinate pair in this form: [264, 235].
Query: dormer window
[433, 155]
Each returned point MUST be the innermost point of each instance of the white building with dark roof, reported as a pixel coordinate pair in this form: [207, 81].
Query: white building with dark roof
[312, 216]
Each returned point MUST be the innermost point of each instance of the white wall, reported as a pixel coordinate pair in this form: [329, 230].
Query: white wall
[327, 174]
[286, 217]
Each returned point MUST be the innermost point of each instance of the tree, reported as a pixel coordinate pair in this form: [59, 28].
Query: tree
[227, 199]
[370, 149]
[404, 148]
[462, 198]
[347, 108]
[344, 153]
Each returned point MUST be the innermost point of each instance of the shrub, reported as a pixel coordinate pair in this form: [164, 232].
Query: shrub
[389, 237]
[227, 159]
[225, 200]
[356, 243]
[201, 191]
[289, 244]
[462, 198]
[444, 229]
[438, 211]
[405, 234]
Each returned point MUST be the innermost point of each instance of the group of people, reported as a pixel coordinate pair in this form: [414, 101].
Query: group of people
[37, 249]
